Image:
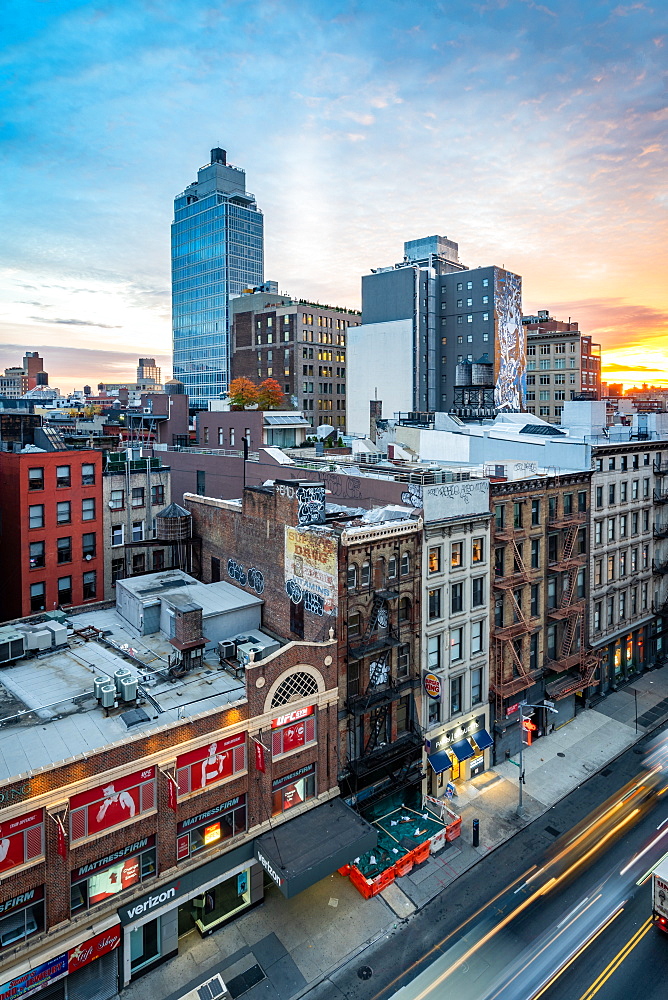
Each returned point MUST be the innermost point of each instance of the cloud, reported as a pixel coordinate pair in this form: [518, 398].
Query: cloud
[611, 367]
[70, 367]
[75, 322]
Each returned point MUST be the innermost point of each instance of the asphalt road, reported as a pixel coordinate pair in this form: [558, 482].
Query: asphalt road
[472, 943]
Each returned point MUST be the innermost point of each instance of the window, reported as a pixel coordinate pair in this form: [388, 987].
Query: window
[499, 518]
[434, 604]
[623, 491]
[88, 474]
[456, 598]
[622, 564]
[611, 568]
[517, 515]
[211, 828]
[405, 564]
[534, 608]
[499, 561]
[611, 493]
[634, 523]
[293, 789]
[456, 553]
[404, 610]
[551, 637]
[63, 475]
[159, 563]
[110, 878]
[403, 659]
[477, 591]
[645, 520]
[117, 570]
[157, 495]
[623, 521]
[634, 489]
[598, 572]
[535, 553]
[117, 500]
[599, 496]
[88, 544]
[37, 596]
[456, 644]
[365, 576]
[455, 695]
[63, 512]
[89, 585]
[645, 489]
[22, 921]
[476, 636]
[622, 605]
[65, 590]
[36, 516]
[117, 534]
[64, 550]
[597, 616]
[200, 488]
[433, 711]
[352, 577]
[634, 560]
[137, 531]
[106, 806]
[551, 592]
[290, 731]
[478, 550]
[354, 624]
[137, 496]
[434, 652]
[434, 559]
[392, 568]
[535, 512]
[498, 612]
[611, 529]
[645, 556]
[36, 555]
[88, 509]
[552, 548]
[598, 532]
[35, 479]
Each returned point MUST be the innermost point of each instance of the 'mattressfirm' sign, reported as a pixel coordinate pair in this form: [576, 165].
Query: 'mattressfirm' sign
[455, 500]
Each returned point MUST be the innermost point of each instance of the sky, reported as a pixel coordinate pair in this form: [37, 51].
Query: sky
[533, 134]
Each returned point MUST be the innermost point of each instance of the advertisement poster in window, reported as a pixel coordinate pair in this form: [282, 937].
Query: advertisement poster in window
[114, 803]
[212, 762]
[311, 573]
[21, 839]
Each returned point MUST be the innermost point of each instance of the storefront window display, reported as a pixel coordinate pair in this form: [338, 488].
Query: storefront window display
[94, 883]
[293, 789]
[212, 762]
[145, 944]
[221, 901]
[21, 917]
[211, 828]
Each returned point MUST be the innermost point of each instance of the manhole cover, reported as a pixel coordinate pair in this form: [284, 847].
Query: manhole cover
[560, 754]
[365, 972]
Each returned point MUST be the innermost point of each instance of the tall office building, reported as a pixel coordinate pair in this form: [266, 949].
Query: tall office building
[454, 334]
[217, 251]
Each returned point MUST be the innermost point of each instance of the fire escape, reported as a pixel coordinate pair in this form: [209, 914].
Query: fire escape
[577, 663]
[660, 560]
[381, 758]
[504, 637]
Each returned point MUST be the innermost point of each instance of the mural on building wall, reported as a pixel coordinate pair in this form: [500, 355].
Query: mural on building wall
[412, 496]
[311, 569]
[511, 357]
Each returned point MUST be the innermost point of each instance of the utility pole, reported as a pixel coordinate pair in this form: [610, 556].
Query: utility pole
[549, 705]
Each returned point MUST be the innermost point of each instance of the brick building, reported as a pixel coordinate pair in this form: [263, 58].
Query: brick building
[300, 344]
[539, 635]
[157, 824]
[562, 364]
[320, 568]
[51, 545]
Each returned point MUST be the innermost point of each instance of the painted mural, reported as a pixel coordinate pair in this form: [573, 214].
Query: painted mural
[511, 353]
[311, 571]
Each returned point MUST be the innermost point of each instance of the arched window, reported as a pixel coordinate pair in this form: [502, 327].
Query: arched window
[295, 686]
[405, 563]
[392, 568]
[379, 574]
[404, 609]
[365, 578]
[352, 576]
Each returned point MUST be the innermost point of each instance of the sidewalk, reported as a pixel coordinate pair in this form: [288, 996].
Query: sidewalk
[285, 946]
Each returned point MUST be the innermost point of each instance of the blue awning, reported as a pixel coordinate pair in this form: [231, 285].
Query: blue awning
[439, 762]
[483, 740]
[462, 750]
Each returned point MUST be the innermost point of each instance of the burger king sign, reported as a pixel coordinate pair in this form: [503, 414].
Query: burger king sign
[432, 685]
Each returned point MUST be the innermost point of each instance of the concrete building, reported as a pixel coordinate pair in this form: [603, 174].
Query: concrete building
[217, 251]
[562, 364]
[144, 800]
[51, 543]
[454, 335]
[301, 344]
[147, 370]
[455, 633]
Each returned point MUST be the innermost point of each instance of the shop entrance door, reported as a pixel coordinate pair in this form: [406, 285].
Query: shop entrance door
[455, 772]
[144, 945]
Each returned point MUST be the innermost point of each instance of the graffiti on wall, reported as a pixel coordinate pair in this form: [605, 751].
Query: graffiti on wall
[412, 496]
[253, 578]
[311, 572]
[510, 338]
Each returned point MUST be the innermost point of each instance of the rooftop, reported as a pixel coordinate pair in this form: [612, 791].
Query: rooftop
[48, 709]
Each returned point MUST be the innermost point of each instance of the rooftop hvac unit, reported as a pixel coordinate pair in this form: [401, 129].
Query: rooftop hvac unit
[119, 676]
[58, 633]
[12, 645]
[129, 688]
[98, 684]
[38, 639]
[108, 696]
[244, 652]
[227, 650]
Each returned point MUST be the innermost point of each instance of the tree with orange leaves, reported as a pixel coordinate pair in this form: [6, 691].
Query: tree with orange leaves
[270, 395]
[243, 393]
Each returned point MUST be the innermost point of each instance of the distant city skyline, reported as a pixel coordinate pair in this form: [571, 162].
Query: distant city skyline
[530, 134]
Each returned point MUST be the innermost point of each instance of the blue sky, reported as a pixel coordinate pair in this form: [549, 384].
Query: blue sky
[533, 134]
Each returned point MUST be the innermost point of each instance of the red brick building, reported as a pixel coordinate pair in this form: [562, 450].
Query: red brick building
[117, 851]
[51, 545]
[315, 571]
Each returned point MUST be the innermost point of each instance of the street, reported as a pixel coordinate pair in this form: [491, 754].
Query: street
[526, 911]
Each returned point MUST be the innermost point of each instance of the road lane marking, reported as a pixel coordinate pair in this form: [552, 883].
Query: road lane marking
[577, 954]
[621, 955]
[637, 857]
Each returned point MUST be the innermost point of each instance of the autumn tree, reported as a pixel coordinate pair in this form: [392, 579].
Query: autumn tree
[269, 395]
[243, 393]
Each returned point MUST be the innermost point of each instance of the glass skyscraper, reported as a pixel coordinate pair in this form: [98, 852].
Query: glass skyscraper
[217, 251]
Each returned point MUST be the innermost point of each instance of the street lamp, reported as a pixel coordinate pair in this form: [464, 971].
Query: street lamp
[549, 705]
